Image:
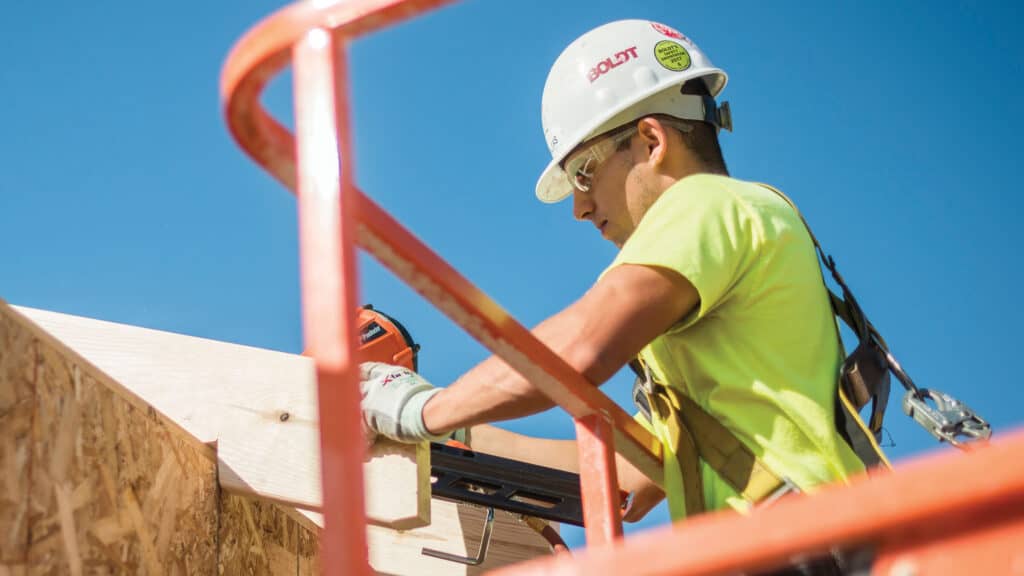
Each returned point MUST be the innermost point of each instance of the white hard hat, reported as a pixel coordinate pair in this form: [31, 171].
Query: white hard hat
[616, 73]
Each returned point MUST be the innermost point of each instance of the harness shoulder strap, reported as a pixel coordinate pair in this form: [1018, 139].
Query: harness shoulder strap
[687, 452]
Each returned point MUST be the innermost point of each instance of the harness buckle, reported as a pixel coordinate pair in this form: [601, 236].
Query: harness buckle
[643, 390]
[949, 420]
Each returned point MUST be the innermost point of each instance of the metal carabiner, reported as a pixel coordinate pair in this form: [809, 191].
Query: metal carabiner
[948, 420]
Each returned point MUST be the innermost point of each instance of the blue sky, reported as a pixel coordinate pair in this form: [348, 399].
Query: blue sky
[892, 125]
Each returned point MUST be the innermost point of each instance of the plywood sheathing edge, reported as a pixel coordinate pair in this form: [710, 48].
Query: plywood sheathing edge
[110, 484]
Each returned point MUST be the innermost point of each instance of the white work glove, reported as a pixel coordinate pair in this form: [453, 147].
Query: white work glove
[393, 400]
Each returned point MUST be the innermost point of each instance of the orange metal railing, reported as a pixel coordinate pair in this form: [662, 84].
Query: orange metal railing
[948, 513]
[334, 216]
[951, 514]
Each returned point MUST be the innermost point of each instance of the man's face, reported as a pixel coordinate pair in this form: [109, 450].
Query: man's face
[616, 197]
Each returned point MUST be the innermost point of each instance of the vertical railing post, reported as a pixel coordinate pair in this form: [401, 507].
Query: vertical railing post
[595, 441]
[329, 284]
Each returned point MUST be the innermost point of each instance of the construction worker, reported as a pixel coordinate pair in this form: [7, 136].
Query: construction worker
[716, 289]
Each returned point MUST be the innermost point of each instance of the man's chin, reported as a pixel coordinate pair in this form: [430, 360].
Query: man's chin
[619, 242]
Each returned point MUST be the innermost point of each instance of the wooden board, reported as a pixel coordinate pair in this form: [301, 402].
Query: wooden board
[454, 528]
[258, 406]
[257, 538]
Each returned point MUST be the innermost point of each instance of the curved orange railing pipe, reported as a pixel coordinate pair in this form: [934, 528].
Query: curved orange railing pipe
[334, 215]
[263, 52]
[266, 49]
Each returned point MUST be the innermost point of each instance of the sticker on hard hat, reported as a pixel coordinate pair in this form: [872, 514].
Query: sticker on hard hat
[672, 55]
[667, 31]
[613, 61]
[673, 33]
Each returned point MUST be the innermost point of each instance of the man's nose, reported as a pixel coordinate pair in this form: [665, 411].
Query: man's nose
[582, 205]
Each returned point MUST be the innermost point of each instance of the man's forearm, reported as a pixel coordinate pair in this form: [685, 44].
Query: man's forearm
[596, 335]
[547, 452]
[466, 403]
[493, 391]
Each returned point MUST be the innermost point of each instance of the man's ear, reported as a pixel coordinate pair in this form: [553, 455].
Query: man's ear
[654, 138]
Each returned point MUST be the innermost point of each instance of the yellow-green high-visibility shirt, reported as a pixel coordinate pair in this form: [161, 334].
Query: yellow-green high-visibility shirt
[761, 351]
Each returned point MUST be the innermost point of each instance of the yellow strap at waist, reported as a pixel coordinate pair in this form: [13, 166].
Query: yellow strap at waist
[695, 432]
[685, 448]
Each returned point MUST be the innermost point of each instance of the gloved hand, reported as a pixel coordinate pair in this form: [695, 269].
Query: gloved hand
[393, 400]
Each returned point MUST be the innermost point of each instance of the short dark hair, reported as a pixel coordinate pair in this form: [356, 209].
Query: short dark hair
[702, 140]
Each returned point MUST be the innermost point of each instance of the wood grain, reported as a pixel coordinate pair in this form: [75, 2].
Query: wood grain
[258, 406]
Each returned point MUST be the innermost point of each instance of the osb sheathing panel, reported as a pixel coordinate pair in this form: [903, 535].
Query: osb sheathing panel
[16, 403]
[256, 537]
[111, 486]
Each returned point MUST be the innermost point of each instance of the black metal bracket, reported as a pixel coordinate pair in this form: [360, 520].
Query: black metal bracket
[504, 484]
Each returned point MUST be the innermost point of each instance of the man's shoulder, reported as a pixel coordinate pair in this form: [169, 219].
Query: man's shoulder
[715, 191]
[760, 209]
[717, 183]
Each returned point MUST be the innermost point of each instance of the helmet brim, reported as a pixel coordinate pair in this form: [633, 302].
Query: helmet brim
[553, 185]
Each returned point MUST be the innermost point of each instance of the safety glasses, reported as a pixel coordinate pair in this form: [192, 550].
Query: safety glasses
[580, 168]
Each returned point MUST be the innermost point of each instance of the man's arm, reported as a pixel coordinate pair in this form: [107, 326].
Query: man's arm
[630, 306]
[560, 454]
[597, 335]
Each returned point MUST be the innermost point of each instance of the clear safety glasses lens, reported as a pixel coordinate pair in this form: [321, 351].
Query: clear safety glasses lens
[581, 167]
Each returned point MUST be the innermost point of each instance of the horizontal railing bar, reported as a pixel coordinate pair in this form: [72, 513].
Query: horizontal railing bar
[938, 494]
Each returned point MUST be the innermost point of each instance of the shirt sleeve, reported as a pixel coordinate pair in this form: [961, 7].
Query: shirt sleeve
[701, 230]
